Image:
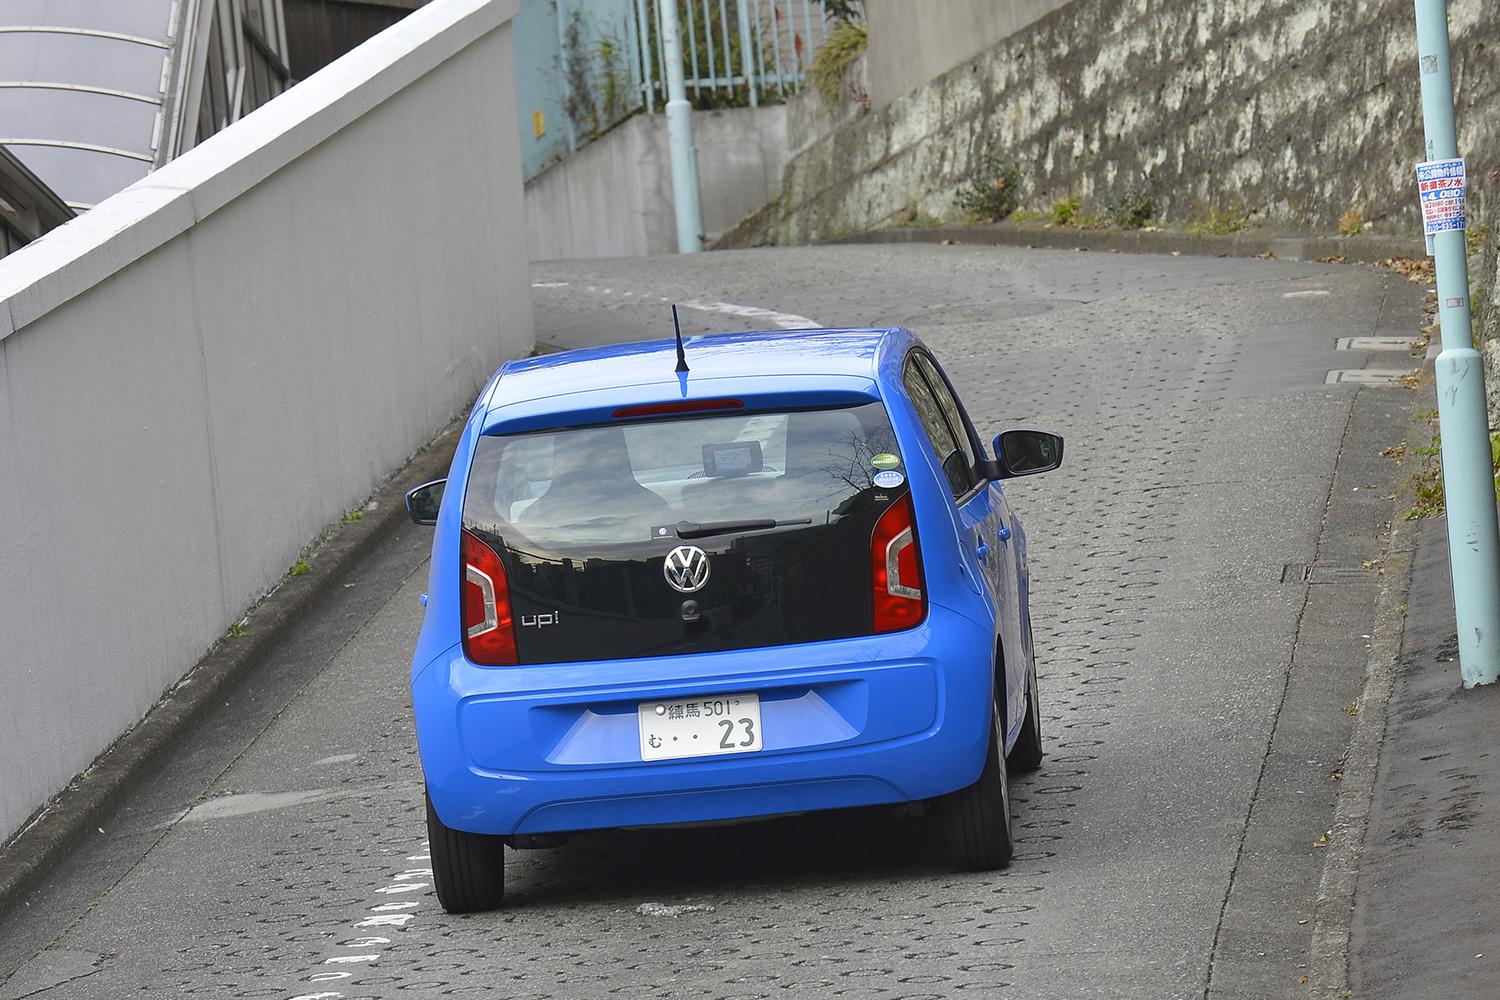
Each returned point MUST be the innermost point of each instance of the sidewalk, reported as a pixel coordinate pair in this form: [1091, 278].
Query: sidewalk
[1257, 242]
[1427, 914]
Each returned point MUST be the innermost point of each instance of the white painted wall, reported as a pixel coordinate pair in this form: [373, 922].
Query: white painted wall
[199, 375]
[912, 43]
[613, 198]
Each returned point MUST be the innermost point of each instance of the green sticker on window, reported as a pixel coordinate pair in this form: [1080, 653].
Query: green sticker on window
[885, 460]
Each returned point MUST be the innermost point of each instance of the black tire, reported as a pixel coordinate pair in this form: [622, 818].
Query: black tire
[978, 817]
[468, 869]
[1026, 754]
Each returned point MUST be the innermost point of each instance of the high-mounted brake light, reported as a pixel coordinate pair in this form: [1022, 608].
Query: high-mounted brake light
[489, 633]
[678, 406]
[899, 600]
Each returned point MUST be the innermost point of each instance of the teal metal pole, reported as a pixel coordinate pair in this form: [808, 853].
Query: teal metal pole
[747, 54]
[562, 65]
[648, 82]
[1468, 477]
[685, 196]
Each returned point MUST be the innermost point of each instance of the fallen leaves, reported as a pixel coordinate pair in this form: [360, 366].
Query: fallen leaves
[1420, 270]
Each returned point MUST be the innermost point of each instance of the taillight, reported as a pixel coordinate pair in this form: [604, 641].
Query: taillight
[489, 635]
[896, 569]
[677, 406]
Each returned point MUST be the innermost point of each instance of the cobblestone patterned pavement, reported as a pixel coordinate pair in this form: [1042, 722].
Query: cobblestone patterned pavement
[1202, 449]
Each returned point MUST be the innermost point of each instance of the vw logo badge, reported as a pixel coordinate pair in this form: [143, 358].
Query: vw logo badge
[686, 569]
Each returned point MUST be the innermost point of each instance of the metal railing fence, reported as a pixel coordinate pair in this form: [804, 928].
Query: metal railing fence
[736, 52]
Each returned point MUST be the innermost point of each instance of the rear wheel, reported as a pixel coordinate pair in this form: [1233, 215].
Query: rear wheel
[978, 817]
[468, 869]
[1026, 755]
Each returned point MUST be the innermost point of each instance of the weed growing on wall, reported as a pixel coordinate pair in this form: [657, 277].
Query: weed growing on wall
[600, 94]
[578, 102]
[1351, 223]
[847, 41]
[843, 10]
[1133, 209]
[993, 193]
[1067, 211]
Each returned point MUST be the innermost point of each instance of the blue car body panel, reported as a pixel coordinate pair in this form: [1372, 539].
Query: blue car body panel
[872, 719]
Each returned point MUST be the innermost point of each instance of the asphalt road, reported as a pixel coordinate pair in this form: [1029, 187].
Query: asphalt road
[1195, 675]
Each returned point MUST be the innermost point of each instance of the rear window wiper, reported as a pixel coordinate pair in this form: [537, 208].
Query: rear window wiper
[692, 529]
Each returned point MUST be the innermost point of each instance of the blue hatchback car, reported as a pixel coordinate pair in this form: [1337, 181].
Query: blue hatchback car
[785, 579]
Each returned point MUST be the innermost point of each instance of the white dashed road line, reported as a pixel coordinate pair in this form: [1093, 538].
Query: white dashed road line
[392, 915]
[786, 321]
[782, 320]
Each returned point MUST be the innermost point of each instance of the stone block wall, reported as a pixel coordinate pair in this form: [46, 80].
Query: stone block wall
[1293, 110]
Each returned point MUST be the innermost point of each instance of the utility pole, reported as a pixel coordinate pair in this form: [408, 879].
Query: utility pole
[1468, 477]
[685, 194]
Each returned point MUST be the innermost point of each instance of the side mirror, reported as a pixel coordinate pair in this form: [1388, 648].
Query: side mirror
[422, 503]
[1026, 453]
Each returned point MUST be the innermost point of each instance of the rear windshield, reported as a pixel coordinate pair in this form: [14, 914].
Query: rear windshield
[780, 506]
[573, 491]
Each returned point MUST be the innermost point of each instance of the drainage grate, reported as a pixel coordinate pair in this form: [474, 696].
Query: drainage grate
[1376, 343]
[1316, 573]
[1366, 376]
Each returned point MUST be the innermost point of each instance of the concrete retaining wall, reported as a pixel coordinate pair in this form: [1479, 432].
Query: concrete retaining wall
[910, 43]
[613, 197]
[201, 374]
[1484, 272]
[1295, 110]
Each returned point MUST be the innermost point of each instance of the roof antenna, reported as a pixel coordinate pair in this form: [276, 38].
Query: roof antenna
[682, 364]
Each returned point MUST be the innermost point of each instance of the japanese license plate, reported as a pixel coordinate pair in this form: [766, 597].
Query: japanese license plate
[700, 727]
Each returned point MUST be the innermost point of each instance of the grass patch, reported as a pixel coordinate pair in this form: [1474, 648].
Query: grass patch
[1067, 211]
[300, 568]
[1352, 223]
[1427, 482]
[1217, 223]
[351, 516]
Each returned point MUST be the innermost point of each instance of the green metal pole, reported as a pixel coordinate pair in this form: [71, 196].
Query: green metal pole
[1468, 477]
[686, 199]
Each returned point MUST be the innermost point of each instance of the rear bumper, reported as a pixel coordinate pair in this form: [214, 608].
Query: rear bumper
[879, 719]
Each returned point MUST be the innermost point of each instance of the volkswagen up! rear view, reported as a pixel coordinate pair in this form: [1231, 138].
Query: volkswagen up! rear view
[786, 579]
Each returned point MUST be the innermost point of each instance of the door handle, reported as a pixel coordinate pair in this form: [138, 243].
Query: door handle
[1004, 533]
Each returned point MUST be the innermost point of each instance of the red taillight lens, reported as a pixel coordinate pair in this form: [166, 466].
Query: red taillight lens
[489, 635]
[896, 569]
[677, 406]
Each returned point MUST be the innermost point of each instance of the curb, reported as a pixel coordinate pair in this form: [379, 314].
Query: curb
[1253, 243]
[1333, 912]
[81, 807]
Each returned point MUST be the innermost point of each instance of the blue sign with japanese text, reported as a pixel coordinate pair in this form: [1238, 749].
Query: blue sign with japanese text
[1440, 185]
